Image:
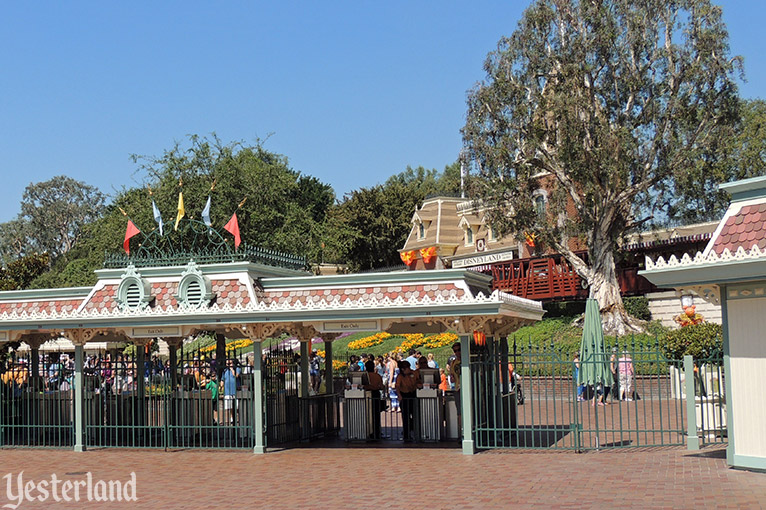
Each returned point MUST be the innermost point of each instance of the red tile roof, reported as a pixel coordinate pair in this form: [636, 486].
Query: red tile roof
[746, 228]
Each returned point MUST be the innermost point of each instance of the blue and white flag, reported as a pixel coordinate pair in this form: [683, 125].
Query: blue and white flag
[206, 213]
[157, 216]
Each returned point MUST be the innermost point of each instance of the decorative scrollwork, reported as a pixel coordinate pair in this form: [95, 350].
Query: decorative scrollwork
[195, 241]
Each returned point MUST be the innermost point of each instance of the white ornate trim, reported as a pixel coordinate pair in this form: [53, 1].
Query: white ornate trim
[328, 303]
[700, 260]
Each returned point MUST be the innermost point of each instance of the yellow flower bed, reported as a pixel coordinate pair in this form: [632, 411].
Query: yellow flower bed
[440, 340]
[320, 353]
[368, 341]
[338, 364]
[231, 346]
[412, 341]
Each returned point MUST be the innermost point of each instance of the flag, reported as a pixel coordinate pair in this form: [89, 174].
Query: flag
[157, 216]
[233, 228]
[206, 213]
[130, 232]
[181, 210]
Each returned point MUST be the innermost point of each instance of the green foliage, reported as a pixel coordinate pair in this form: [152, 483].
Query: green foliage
[20, 273]
[605, 106]
[702, 341]
[377, 220]
[56, 211]
[563, 308]
[638, 307]
[740, 156]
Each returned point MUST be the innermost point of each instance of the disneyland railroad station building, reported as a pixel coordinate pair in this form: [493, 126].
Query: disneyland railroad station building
[166, 296]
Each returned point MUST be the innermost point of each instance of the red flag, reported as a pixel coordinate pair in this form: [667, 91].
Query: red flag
[130, 232]
[233, 228]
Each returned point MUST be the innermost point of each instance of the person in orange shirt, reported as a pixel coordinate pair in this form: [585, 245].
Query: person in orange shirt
[444, 384]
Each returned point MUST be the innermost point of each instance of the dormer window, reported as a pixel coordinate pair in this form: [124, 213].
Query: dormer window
[421, 231]
[468, 236]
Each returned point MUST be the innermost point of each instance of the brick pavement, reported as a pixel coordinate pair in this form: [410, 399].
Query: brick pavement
[342, 477]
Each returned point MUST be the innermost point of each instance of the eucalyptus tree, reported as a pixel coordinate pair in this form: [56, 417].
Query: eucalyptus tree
[604, 105]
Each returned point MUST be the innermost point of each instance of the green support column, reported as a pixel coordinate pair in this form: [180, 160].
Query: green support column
[692, 439]
[258, 407]
[305, 368]
[79, 415]
[173, 350]
[329, 386]
[466, 396]
[140, 386]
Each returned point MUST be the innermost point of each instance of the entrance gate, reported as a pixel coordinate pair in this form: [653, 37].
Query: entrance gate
[539, 404]
[129, 402]
[36, 405]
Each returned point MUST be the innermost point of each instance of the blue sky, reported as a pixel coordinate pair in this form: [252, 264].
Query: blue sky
[350, 92]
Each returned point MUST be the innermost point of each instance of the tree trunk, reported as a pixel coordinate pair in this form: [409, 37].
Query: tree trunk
[605, 289]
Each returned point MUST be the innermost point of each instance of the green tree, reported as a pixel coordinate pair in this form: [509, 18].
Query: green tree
[605, 105]
[55, 212]
[376, 220]
[283, 209]
[739, 156]
[19, 274]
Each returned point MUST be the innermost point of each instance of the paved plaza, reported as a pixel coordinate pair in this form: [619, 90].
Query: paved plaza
[370, 477]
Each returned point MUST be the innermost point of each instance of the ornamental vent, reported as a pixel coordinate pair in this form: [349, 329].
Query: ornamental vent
[194, 289]
[134, 292]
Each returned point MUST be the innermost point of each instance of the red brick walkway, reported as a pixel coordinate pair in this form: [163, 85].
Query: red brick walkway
[347, 477]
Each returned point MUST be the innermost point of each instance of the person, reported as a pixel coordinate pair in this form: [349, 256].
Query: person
[393, 373]
[229, 383]
[444, 383]
[314, 371]
[353, 364]
[406, 389]
[374, 385]
[212, 386]
[615, 377]
[454, 370]
[412, 359]
[576, 372]
[431, 361]
[54, 373]
[625, 368]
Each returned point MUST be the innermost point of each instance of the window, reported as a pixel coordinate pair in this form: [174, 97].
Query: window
[540, 205]
[421, 231]
[468, 236]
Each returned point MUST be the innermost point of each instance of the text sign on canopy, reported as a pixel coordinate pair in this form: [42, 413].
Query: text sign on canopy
[340, 326]
[154, 332]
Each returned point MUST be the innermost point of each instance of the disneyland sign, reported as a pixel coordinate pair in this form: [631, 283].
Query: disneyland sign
[481, 260]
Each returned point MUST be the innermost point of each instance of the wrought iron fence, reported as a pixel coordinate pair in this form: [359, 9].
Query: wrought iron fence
[528, 397]
[36, 404]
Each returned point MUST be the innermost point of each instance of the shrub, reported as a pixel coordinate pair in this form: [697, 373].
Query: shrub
[700, 341]
[638, 307]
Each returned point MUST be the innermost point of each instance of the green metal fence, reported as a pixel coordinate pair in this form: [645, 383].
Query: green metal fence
[527, 396]
[36, 404]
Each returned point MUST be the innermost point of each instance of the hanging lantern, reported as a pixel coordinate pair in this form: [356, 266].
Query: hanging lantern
[428, 254]
[408, 257]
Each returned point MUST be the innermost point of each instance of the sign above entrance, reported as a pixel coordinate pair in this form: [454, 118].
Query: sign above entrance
[480, 260]
[155, 332]
[340, 327]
